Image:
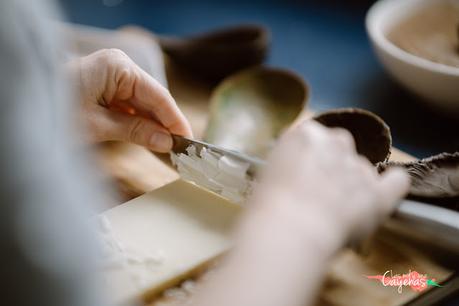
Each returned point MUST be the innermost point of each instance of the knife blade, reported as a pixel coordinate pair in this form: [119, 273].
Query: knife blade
[182, 143]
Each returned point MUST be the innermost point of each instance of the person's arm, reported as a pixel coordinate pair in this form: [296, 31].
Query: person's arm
[120, 101]
[315, 195]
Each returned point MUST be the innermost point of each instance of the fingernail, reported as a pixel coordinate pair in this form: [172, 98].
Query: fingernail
[161, 141]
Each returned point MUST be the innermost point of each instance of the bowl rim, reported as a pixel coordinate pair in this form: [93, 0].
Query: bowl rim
[373, 20]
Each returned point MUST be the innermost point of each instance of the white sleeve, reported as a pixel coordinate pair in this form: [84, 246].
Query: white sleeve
[46, 191]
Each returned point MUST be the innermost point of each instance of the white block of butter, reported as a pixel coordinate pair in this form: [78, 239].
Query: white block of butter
[156, 240]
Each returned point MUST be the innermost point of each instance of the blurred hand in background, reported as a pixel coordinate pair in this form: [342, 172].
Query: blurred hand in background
[315, 195]
[321, 182]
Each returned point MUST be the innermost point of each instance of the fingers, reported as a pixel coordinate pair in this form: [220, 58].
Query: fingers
[393, 185]
[344, 138]
[151, 95]
[118, 126]
[313, 133]
[128, 82]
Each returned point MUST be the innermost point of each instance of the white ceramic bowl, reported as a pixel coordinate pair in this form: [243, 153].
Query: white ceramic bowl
[437, 83]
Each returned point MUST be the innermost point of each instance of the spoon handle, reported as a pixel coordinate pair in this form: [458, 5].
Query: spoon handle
[430, 223]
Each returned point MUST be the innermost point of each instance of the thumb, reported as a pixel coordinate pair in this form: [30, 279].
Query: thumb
[394, 184]
[112, 125]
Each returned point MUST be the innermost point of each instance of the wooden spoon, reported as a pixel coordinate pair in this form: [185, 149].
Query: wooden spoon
[371, 134]
[251, 108]
[217, 54]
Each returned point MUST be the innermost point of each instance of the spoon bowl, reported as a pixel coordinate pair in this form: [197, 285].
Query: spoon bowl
[371, 134]
[217, 54]
[250, 109]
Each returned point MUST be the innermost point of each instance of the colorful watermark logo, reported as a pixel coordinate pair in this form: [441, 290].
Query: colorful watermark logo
[416, 281]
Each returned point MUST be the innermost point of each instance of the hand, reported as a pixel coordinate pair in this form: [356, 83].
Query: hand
[314, 193]
[120, 101]
[316, 183]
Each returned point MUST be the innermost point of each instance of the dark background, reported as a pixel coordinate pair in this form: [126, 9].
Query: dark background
[324, 41]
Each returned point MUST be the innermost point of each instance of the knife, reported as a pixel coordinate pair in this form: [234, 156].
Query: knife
[181, 143]
[424, 221]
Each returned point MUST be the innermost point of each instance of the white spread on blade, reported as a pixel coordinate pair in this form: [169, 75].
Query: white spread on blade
[221, 174]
